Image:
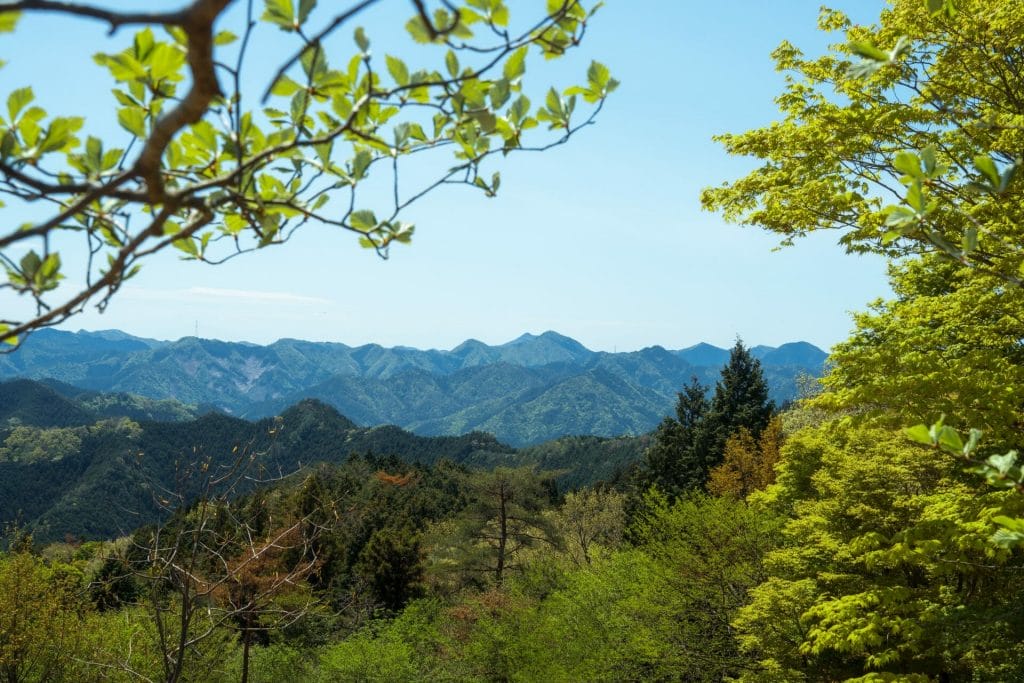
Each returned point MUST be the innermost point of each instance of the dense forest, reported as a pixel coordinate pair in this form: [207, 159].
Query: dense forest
[86, 465]
[870, 531]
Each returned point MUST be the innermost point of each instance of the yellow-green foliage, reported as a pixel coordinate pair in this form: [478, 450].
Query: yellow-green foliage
[28, 444]
[40, 626]
[947, 344]
[888, 569]
[830, 162]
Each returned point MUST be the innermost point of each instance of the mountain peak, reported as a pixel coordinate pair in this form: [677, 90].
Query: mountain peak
[541, 349]
[796, 353]
[704, 354]
[313, 411]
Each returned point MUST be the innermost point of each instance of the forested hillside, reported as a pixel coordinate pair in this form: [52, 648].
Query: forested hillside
[70, 468]
[533, 389]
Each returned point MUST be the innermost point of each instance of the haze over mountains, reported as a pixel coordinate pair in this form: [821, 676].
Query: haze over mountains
[534, 388]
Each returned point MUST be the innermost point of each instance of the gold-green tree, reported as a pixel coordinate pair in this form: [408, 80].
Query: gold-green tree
[748, 464]
[887, 568]
[893, 547]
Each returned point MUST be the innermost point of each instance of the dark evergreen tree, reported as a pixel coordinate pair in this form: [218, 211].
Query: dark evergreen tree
[740, 400]
[676, 461]
[687, 447]
[391, 564]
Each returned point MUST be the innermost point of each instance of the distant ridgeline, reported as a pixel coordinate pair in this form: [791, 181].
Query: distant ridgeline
[96, 465]
[533, 389]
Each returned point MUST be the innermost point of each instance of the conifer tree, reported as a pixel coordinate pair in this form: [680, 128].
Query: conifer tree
[675, 461]
[686, 448]
[740, 401]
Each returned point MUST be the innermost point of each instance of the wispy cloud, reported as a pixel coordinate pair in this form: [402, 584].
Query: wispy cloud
[208, 294]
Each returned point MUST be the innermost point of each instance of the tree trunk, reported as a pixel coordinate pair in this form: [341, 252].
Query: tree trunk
[246, 638]
[502, 533]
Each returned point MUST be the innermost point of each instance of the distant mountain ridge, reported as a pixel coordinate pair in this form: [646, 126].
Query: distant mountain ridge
[529, 390]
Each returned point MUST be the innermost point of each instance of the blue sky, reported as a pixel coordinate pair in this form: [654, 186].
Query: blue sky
[602, 239]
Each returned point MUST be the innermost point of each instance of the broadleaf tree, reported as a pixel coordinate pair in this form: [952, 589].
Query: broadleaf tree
[209, 168]
[907, 149]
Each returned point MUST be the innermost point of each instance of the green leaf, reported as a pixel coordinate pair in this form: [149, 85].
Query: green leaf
[928, 157]
[865, 49]
[987, 168]
[909, 164]
[8, 21]
[515, 66]
[305, 7]
[451, 62]
[187, 245]
[50, 266]
[17, 101]
[280, 13]
[165, 61]
[4, 329]
[361, 40]
[417, 30]
[919, 433]
[500, 92]
[133, 120]
[900, 217]
[30, 263]
[1003, 463]
[224, 38]
[1011, 523]
[363, 220]
[398, 70]
[60, 133]
[950, 440]
[285, 87]
[554, 102]
[915, 196]
[499, 15]
[598, 75]
[361, 162]
[972, 442]
[299, 105]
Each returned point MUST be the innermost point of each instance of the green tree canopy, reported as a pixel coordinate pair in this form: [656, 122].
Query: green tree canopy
[933, 125]
[949, 343]
[886, 568]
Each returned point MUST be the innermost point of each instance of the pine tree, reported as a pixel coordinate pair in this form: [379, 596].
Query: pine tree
[687, 447]
[740, 400]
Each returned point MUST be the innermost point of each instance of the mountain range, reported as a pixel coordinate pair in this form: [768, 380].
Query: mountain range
[532, 389]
